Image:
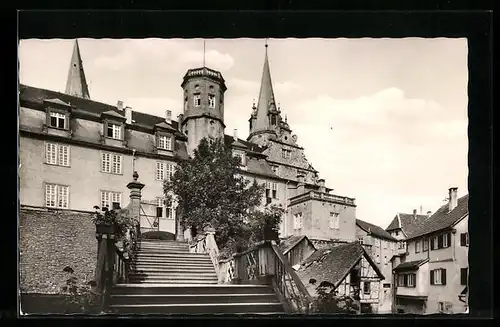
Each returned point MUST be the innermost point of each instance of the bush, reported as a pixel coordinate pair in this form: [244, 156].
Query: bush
[80, 298]
[158, 235]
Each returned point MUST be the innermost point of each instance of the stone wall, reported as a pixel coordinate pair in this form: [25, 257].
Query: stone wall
[51, 240]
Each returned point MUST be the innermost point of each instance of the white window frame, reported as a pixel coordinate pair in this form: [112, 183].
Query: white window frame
[108, 197]
[365, 283]
[437, 273]
[417, 248]
[377, 242]
[411, 280]
[285, 153]
[111, 163]
[58, 116]
[211, 100]
[274, 190]
[334, 220]
[297, 222]
[55, 154]
[164, 170]
[446, 241]
[59, 196]
[197, 100]
[165, 142]
[167, 211]
[425, 244]
[116, 130]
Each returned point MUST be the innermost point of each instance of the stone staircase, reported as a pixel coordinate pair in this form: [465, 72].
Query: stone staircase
[169, 280]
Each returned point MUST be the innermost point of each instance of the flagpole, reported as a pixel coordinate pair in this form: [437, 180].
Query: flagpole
[204, 44]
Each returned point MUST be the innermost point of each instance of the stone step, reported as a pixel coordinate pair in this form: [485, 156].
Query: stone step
[145, 281]
[191, 288]
[173, 265]
[196, 308]
[184, 279]
[192, 298]
[172, 254]
[174, 275]
[180, 270]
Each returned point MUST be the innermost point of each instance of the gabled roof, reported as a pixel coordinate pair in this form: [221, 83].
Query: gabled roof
[411, 265]
[113, 114]
[333, 264]
[166, 126]
[406, 221]
[289, 243]
[57, 101]
[442, 218]
[374, 229]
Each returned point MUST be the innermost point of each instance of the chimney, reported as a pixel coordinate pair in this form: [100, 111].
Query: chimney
[128, 115]
[415, 214]
[300, 185]
[321, 183]
[428, 214]
[119, 105]
[168, 117]
[452, 198]
[235, 135]
[135, 188]
[180, 117]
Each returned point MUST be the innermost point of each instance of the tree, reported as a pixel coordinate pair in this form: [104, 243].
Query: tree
[264, 225]
[210, 191]
[328, 301]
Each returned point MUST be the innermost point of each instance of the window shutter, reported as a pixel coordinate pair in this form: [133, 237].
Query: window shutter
[432, 243]
[463, 276]
[432, 277]
[443, 276]
[449, 239]
[462, 239]
[440, 241]
[414, 280]
[159, 212]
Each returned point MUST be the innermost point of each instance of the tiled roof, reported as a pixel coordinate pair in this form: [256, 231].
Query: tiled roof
[410, 265]
[408, 222]
[332, 264]
[113, 114]
[374, 229]
[394, 224]
[443, 218]
[289, 243]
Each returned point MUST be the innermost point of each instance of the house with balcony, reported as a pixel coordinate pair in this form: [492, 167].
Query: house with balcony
[433, 275]
[382, 247]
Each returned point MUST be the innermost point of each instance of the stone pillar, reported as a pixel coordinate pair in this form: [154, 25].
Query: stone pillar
[301, 185]
[135, 188]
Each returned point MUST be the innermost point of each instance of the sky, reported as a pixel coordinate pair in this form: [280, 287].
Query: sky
[383, 120]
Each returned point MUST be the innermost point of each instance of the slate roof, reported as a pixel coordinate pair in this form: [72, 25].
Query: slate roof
[374, 230]
[442, 218]
[408, 222]
[57, 101]
[289, 243]
[332, 264]
[37, 96]
[410, 265]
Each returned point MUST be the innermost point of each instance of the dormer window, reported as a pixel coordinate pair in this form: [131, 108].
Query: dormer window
[165, 142]
[58, 120]
[197, 100]
[211, 101]
[241, 156]
[114, 131]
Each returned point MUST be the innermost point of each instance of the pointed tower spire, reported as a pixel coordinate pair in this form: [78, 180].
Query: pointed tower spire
[266, 103]
[77, 84]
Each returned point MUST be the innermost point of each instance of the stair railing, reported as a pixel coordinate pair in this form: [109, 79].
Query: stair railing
[263, 263]
[205, 243]
[114, 262]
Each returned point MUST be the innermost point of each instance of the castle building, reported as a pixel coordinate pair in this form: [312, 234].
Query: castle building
[76, 153]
